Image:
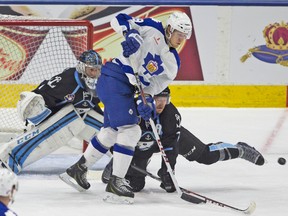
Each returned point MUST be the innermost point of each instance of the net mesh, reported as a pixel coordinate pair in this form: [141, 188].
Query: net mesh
[32, 50]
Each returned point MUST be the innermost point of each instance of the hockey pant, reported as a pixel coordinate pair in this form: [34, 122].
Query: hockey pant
[193, 149]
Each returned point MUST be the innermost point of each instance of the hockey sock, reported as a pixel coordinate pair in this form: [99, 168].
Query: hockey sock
[122, 157]
[94, 152]
[218, 152]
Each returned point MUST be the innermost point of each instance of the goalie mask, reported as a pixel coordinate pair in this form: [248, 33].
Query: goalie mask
[89, 66]
[181, 22]
[8, 184]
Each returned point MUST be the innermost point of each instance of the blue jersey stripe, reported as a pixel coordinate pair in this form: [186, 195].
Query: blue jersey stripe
[122, 150]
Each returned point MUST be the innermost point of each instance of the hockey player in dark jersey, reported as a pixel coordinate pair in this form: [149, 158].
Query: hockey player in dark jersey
[59, 109]
[177, 140]
[72, 86]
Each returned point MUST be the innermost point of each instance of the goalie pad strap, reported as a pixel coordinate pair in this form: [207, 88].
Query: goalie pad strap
[39, 118]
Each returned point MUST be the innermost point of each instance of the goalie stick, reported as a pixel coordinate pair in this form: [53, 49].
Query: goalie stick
[196, 198]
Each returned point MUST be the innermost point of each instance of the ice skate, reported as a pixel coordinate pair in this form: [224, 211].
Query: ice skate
[119, 191]
[76, 176]
[250, 154]
[107, 172]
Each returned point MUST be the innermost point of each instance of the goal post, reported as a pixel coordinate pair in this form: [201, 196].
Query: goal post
[34, 49]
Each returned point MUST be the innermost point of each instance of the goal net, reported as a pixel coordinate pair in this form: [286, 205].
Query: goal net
[32, 50]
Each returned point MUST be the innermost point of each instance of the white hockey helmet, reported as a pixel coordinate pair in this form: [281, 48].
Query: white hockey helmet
[181, 22]
[8, 184]
[92, 59]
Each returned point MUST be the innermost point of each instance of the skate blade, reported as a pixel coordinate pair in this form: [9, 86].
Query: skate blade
[70, 181]
[113, 198]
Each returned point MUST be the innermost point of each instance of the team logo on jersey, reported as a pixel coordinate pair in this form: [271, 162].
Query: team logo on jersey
[152, 64]
[147, 140]
[86, 95]
[148, 137]
[159, 129]
[69, 97]
[178, 119]
[85, 104]
[53, 80]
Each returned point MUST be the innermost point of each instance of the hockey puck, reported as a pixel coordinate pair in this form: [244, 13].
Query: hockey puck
[281, 160]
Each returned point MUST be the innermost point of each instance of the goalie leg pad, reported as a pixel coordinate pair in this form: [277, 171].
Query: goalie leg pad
[52, 134]
[94, 122]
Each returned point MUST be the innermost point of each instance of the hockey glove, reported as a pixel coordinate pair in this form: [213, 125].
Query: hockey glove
[132, 43]
[167, 183]
[148, 110]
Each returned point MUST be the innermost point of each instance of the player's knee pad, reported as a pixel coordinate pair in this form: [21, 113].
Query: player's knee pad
[107, 137]
[31, 107]
[137, 183]
[129, 135]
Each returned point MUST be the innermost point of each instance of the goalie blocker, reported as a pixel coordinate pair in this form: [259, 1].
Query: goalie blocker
[49, 136]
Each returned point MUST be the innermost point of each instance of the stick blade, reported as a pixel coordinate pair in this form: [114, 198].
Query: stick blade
[70, 181]
[251, 208]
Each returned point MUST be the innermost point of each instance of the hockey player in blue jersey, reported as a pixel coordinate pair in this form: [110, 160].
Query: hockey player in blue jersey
[8, 189]
[154, 48]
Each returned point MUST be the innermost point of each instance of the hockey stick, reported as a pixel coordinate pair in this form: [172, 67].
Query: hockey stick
[157, 138]
[183, 193]
[197, 198]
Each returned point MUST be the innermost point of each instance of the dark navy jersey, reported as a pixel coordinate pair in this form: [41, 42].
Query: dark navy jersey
[168, 127]
[67, 88]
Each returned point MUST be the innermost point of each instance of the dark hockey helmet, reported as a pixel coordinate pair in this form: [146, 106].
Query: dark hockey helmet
[165, 93]
[90, 59]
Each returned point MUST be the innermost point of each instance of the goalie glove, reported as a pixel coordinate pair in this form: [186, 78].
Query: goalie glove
[148, 110]
[132, 43]
[31, 107]
[167, 183]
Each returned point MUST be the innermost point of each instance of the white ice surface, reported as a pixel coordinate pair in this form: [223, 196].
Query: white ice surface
[235, 182]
